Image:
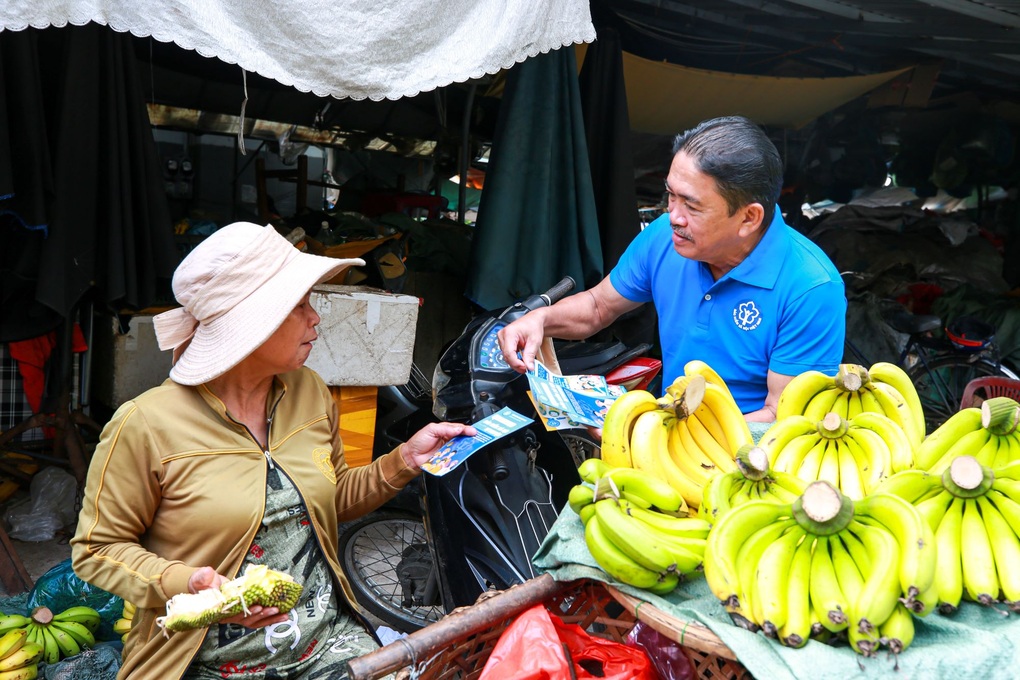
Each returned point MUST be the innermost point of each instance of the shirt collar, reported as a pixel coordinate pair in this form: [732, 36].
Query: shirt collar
[761, 267]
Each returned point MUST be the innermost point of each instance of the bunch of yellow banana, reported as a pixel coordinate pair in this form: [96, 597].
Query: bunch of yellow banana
[19, 658]
[62, 635]
[824, 566]
[632, 541]
[854, 454]
[122, 626]
[884, 388]
[752, 480]
[686, 437]
[974, 512]
[988, 433]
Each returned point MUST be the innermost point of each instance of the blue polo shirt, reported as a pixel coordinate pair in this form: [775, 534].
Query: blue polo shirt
[783, 308]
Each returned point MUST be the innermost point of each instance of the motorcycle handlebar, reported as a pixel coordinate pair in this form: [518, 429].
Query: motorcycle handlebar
[557, 292]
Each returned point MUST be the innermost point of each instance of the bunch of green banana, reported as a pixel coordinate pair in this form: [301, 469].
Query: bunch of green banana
[823, 566]
[636, 486]
[752, 480]
[988, 433]
[641, 547]
[62, 635]
[885, 389]
[974, 512]
[19, 658]
[853, 454]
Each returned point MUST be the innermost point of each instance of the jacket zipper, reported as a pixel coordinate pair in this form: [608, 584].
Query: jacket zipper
[269, 427]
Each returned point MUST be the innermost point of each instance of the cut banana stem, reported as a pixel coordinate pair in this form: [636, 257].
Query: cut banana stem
[967, 478]
[753, 462]
[851, 377]
[42, 615]
[1000, 415]
[694, 393]
[822, 510]
[833, 426]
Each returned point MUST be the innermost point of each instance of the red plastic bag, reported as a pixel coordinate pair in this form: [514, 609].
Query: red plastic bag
[537, 644]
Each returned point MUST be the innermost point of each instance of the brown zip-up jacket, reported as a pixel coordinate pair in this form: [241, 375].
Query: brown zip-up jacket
[176, 484]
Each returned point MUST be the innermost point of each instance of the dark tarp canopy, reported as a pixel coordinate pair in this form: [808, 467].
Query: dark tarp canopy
[536, 221]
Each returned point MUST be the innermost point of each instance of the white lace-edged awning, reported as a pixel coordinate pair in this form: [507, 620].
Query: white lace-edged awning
[362, 49]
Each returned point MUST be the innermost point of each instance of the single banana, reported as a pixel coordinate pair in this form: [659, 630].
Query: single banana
[772, 580]
[746, 601]
[848, 573]
[968, 444]
[688, 457]
[648, 441]
[619, 421]
[676, 476]
[29, 653]
[933, 509]
[723, 459]
[798, 393]
[782, 432]
[916, 567]
[726, 537]
[854, 405]
[812, 463]
[876, 452]
[898, 630]
[1014, 446]
[122, 626]
[901, 452]
[726, 411]
[910, 485]
[683, 527]
[640, 484]
[706, 417]
[12, 641]
[791, 457]
[897, 378]
[895, 407]
[9, 622]
[984, 455]
[129, 610]
[642, 543]
[81, 634]
[87, 616]
[828, 468]
[698, 367]
[614, 561]
[797, 628]
[938, 442]
[68, 645]
[980, 579]
[1002, 451]
[827, 600]
[51, 650]
[1005, 548]
[715, 498]
[850, 482]
[857, 551]
[881, 590]
[871, 475]
[949, 558]
[823, 403]
[579, 496]
[28, 672]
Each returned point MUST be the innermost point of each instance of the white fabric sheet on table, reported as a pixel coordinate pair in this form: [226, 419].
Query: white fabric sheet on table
[362, 49]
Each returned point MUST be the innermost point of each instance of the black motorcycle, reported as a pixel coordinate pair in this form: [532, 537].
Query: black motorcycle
[444, 540]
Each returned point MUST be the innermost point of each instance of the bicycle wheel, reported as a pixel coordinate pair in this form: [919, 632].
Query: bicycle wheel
[387, 559]
[940, 384]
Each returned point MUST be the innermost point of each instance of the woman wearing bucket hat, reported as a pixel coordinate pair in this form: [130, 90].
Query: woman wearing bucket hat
[236, 460]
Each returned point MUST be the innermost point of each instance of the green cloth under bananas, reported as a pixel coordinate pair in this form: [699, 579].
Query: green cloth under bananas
[976, 642]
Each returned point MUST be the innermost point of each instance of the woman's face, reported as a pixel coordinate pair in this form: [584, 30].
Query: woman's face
[287, 349]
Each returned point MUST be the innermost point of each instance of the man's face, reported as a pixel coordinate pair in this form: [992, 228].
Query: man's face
[703, 228]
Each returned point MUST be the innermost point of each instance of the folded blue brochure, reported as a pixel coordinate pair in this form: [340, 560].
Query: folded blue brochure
[458, 449]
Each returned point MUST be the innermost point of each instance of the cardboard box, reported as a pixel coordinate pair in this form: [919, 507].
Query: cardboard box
[366, 336]
[125, 364]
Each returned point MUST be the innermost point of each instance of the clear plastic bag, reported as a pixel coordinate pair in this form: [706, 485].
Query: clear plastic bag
[50, 509]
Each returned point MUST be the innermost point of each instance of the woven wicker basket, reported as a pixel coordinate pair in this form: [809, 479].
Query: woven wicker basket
[458, 646]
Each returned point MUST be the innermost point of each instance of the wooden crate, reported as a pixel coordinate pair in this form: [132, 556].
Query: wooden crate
[458, 646]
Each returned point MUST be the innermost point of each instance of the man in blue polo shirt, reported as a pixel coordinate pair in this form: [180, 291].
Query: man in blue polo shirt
[732, 284]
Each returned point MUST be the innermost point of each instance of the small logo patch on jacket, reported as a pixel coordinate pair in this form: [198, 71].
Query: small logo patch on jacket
[325, 463]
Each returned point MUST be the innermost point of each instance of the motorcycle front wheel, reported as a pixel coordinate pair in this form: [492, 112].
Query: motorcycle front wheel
[387, 561]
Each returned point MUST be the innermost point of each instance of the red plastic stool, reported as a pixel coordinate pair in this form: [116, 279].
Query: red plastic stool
[988, 387]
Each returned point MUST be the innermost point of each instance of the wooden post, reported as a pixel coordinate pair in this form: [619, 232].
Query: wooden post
[14, 578]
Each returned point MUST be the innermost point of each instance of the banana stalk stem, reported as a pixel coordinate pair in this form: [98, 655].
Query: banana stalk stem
[852, 377]
[684, 396]
[833, 426]
[753, 462]
[822, 510]
[42, 615]
[1000, 415]
[967, 478]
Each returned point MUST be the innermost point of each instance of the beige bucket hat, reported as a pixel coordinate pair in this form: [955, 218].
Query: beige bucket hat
[235, 288]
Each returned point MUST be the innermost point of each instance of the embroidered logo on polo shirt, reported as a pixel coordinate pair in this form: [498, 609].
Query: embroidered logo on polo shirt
[746, 316]
[324, 463]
